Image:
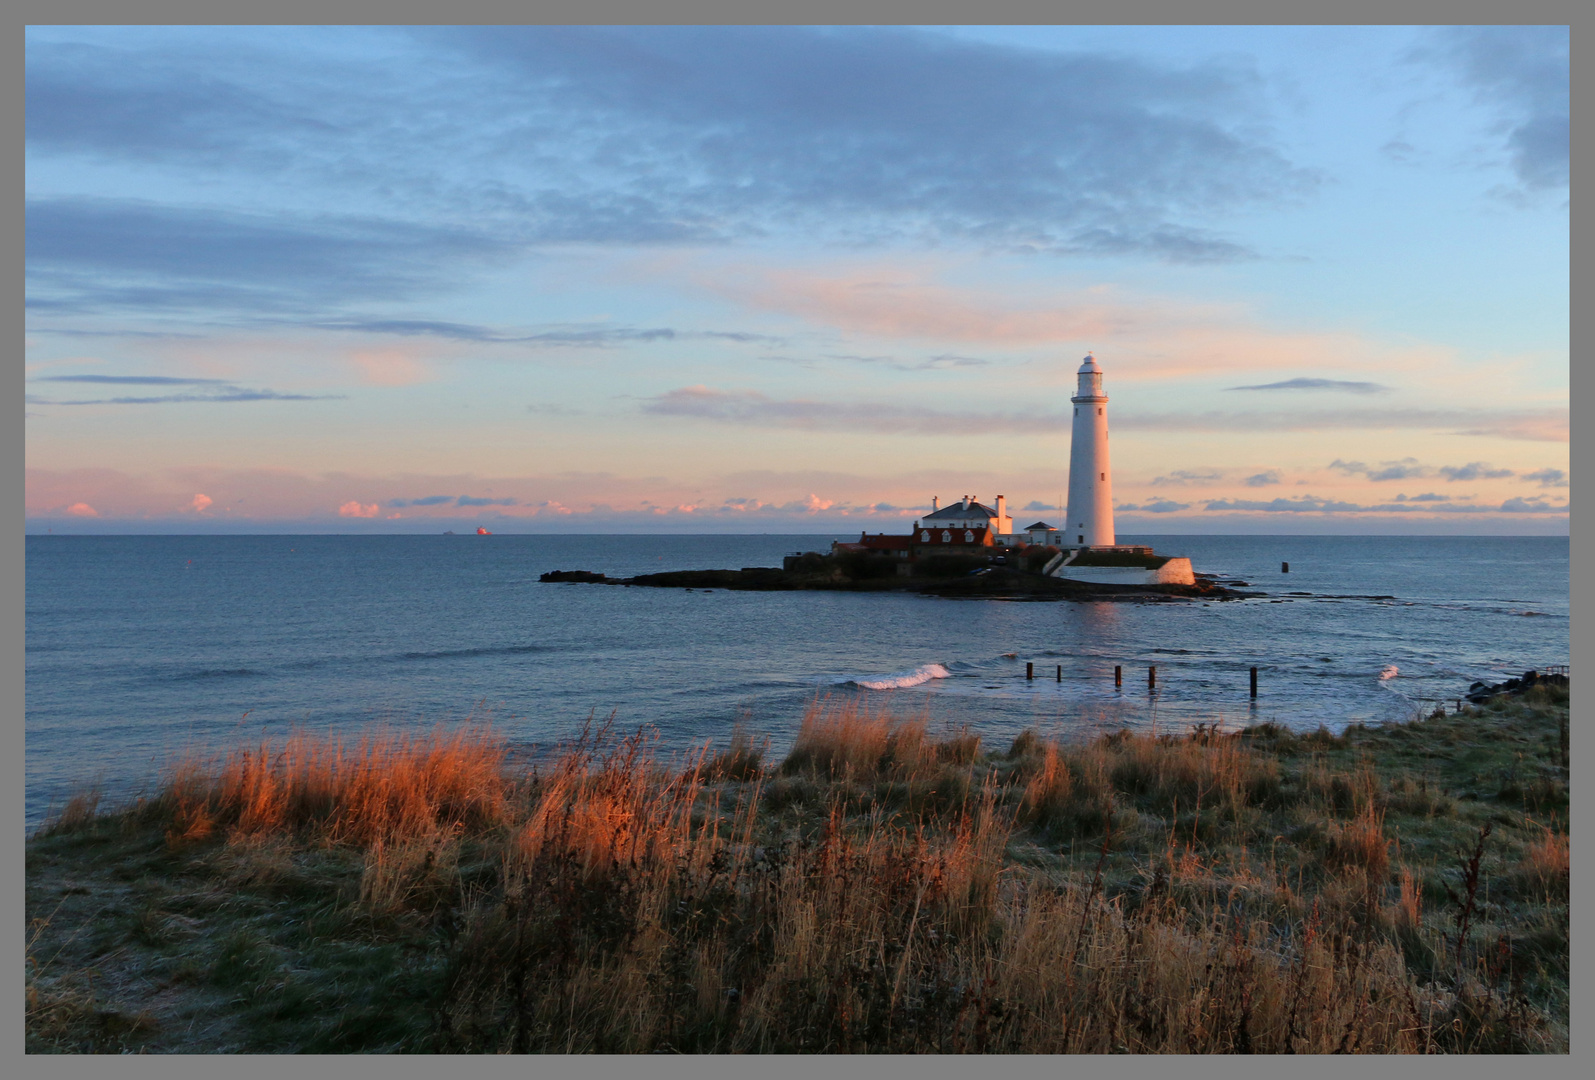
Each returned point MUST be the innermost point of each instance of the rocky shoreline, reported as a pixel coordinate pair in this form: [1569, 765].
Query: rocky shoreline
[1481, 692]
[982, 582]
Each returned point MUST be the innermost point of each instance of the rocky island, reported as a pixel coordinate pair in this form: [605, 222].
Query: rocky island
[1020, 574]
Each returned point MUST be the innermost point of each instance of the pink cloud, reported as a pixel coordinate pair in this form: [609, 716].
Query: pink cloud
[355, 509]
[390, 367]
[1146, 335]
[82, 510]
[200, 503]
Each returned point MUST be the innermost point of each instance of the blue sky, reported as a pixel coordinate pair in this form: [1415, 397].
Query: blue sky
[783, 279]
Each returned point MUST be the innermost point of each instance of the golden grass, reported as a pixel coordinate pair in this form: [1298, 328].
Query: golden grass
[863, 895]
[385, 788]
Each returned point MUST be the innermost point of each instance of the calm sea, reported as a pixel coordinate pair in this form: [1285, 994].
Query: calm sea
[138, 647]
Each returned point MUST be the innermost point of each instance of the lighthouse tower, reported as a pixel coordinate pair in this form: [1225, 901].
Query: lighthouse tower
[1090, 520]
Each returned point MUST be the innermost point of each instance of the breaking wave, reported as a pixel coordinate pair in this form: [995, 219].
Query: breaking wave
[1390, 672]
[896, 680]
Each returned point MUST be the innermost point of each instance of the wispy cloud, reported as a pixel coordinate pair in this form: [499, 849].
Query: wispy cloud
[1405, 469]
[125, 255]
[224, 394]
[754, 407]
[1548, 477]
[1312, 504]
[1473, 470]
[1521, 73]
[131, 380]
[1183, 477]
[1340, 385]
[1157, 506]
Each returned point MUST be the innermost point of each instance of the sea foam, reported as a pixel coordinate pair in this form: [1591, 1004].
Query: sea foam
[899, 679]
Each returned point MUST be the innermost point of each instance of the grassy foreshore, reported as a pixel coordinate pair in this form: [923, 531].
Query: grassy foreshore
[1394, 889]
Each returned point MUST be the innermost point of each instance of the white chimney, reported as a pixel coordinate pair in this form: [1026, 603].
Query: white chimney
[1002, 513]
[935, 503]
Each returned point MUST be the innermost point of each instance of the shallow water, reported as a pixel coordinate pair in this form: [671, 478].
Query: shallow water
[140, 646]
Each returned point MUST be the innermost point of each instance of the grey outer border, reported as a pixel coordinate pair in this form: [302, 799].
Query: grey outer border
[939, 12]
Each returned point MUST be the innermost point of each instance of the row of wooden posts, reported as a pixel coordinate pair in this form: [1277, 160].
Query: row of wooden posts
[1118, 675]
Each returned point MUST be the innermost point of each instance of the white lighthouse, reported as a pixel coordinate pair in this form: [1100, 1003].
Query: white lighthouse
[1090, 520]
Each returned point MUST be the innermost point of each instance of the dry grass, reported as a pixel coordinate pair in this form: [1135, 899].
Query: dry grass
[1544, 869]
[880, 889]
[384, 789]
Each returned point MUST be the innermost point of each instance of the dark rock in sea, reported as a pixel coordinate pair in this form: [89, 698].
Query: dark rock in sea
[1480, 692]
[584, 576]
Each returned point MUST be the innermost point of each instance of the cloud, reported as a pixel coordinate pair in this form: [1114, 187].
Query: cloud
[131, 380]
[1542, 425]
[1183, 477]
[1263, 479]
[214, 391]
[472, 500]
[1521, 73]
[390, 367]
[1405, 469]
[1548, 477]
[1535, 505]
[353, 508]
[126, 255]
[751, 407]
[1320, 384]
[1473, 470]
[1428, 496]
[754, 408]
[1159, 506]
[82, 510]
[668, 135]
[200, 504]
[427, 500]
[1312, 504]
[934, 363]
[566, 335]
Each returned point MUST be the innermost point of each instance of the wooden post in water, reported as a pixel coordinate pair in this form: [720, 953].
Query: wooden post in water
[1151, 677]
[1118, 675]
[1060, 672]
[1254, 682]
[1284, 568]
[1030, 669]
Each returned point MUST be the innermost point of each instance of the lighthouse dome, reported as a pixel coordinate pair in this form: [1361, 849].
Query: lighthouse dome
[1089, 365]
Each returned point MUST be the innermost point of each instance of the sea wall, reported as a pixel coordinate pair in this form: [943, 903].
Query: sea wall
[1176, 571]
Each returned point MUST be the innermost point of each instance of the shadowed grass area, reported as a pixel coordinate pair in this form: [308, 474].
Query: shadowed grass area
[882, 888]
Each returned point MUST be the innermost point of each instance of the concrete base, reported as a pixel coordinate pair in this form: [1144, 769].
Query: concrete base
[1176, 571]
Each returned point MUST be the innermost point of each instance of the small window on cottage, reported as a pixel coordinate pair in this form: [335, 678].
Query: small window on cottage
[969, 536]
[925, 536]
[946, 537]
